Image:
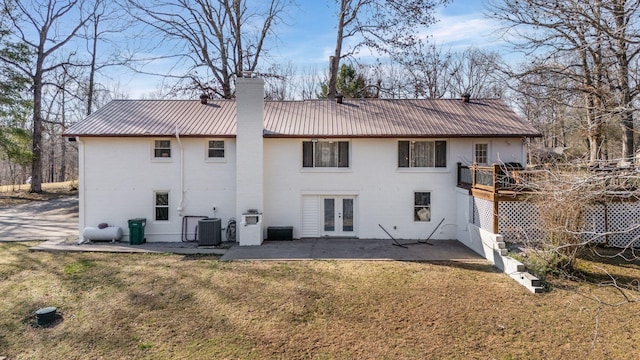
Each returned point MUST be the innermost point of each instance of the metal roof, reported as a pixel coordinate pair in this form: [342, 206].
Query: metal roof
[159, 118]
[310, 118]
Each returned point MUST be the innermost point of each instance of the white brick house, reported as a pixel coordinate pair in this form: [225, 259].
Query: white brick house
[324, 167]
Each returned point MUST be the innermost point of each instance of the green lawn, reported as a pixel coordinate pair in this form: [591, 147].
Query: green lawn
[149, 306]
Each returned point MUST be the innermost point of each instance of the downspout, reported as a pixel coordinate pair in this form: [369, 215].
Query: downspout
[81, 189]
[179, 209]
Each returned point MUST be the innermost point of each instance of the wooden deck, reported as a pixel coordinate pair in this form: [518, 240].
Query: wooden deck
[512, 182]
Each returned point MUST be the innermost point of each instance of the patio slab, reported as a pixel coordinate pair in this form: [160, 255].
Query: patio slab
[305, 249]
[57, 222]
[353, 249]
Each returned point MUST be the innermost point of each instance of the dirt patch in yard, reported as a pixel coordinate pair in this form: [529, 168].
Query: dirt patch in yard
[133, 306]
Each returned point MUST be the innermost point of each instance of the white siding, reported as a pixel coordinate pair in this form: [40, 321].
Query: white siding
[118, 177]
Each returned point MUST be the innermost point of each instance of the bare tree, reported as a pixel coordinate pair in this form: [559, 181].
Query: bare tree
[279, 82]
[591, 45]
[45, 28]
[475, 72]
[388, 80]
[435, 73]
[383, 25]
[430, 70]
[222, 38]
[554, 112]
[309, 83]
[107, 22]
[622, 27]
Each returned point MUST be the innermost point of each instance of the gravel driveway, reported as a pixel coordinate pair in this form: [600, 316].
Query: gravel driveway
[40, 220]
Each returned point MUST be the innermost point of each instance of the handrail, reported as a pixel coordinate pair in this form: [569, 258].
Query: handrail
[489, 178]
[497, 177]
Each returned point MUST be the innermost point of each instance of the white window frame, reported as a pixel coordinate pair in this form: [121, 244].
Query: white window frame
[337, 143]
[475, 153]
[411, 155]
[422, 213]
[208, 147]
[154, 148]
[156, 206]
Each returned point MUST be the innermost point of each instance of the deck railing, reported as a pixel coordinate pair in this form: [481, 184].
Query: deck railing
[489, 178]
[511, 177]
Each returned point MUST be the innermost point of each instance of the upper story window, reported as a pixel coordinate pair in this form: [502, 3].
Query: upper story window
[215, 149]
[481, 154]
[325, 154]
[162, 149]
[422, 154]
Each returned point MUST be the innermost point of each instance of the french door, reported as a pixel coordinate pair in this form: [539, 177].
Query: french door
[338, 215]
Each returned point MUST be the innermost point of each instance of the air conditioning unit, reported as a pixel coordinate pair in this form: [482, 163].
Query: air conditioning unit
[209, 232]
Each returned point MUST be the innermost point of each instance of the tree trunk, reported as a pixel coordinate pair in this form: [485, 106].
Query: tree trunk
[334, 61]
[92, 68]
[63, 144]
[52, 159]
[626, 114]
[36, 148]
[594, 133]
[63, 160]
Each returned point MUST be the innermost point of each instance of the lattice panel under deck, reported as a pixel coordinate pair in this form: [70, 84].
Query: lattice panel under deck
[483, 214]
[624, 217]
[519, 222]
[595, 224]
[615, 224]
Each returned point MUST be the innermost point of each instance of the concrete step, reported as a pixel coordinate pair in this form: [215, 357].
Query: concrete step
[529, 281]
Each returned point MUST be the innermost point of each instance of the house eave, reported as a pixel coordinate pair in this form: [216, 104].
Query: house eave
[394, 136]
[201, 136]
[306, 136]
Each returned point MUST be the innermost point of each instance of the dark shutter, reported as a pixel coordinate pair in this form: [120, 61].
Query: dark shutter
[403, 154]
[307, 154]
[441, 154]
[343, 154]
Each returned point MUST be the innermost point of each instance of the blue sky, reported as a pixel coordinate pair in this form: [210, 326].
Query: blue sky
[308, 38]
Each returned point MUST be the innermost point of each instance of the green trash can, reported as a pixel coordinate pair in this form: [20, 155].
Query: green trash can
[136, 231]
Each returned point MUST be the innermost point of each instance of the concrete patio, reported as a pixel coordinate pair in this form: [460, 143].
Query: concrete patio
[305, 249]
[56, 222]
[353, 249]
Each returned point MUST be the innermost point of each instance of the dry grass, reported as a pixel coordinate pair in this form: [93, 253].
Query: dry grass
[19, 194]
[132, 306]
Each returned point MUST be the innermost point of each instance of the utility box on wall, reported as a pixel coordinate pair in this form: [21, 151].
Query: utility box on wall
[250, 229]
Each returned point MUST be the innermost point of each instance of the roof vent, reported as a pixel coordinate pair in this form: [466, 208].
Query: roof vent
[466, 97]
[339, 98]
[203, 99]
